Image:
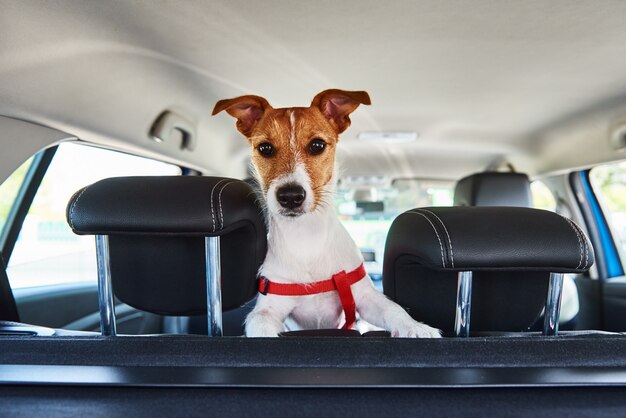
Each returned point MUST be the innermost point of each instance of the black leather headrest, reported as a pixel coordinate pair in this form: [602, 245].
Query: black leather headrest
[489, 238]
[493, 189]
[157, 228]
[176, 205]
[510, 250]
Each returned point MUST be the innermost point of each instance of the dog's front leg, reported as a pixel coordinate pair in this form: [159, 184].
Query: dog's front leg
[375, 308]
[267, 319]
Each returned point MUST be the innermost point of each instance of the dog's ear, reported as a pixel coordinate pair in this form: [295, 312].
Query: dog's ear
[248, 110]
[337, 105]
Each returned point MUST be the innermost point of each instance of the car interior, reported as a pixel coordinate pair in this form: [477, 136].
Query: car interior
[485, 188]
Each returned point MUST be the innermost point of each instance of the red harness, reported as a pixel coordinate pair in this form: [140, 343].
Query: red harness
[340, 282]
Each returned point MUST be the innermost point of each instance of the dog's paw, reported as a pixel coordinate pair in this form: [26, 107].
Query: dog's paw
[415, 329]
[263, 323]
[259, 329]
[261, 333]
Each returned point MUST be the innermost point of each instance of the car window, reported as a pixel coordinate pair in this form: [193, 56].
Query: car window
[9, 190]
[609, 184]
[542, 196]
[47, 251]
[367, 206]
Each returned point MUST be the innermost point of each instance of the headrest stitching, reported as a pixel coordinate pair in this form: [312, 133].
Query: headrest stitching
[74, 207]
[579, 241]
[219, 200]
[445, 229]
[443, 264]
[212, 209]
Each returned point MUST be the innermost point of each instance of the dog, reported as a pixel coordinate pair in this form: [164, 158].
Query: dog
[313, 272]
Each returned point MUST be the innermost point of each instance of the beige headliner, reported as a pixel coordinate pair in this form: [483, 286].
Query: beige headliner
[535, 82]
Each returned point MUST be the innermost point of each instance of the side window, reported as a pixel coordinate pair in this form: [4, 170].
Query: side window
[367, 209]
[47, 251]
[542, 196]
[9, 190]
[609, 184]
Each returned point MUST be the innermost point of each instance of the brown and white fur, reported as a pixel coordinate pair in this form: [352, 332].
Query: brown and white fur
[307, 242]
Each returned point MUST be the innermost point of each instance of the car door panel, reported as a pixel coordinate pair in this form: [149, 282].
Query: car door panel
[614, 297]
[75, 307]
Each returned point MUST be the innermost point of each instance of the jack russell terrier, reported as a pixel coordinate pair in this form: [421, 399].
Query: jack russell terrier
[313, 272]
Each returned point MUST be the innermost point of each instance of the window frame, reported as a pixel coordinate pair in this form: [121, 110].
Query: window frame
[30, 186]
[23, 201]
[608, 259]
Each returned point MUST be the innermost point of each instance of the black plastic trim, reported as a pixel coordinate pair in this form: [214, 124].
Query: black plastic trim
[577, 351]
[290, 377]
[8, 306]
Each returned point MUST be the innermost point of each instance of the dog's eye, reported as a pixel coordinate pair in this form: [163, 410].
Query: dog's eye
[316, 146]
[266, 149]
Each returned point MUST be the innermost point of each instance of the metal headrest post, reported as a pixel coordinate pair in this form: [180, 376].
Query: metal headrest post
[213, 286]
[463, 304]
[105, 288]
[553, 304]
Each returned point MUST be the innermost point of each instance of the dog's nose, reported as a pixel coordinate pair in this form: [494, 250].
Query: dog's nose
[290, 196]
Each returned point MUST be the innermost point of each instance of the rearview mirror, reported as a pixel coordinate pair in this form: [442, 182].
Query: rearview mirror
[369, 207]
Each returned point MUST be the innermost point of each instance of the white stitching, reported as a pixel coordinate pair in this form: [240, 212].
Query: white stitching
[586, 248]
[219, 200]
[584, 240]
[580, 244]
[443, 264]
[211, 199]
[585, 244]
[445, 229]
[74, 207]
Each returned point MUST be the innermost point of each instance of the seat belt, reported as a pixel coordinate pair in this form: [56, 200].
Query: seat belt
[8, 308]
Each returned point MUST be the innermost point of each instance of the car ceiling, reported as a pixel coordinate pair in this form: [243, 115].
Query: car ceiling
[536, 83]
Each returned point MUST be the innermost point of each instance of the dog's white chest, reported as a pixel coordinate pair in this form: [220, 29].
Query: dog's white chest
[318, 311]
